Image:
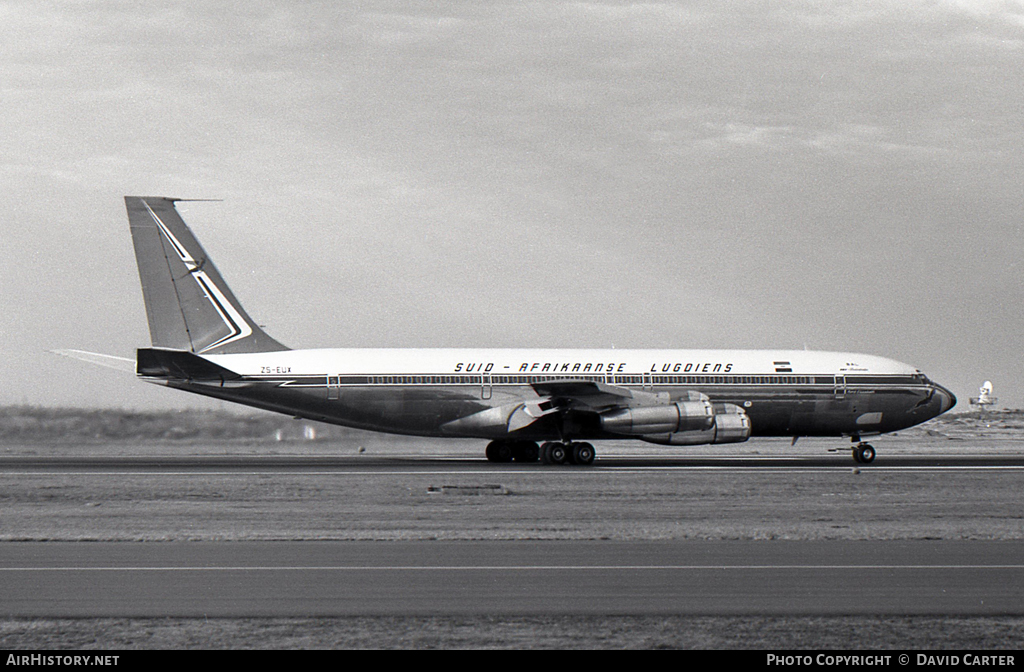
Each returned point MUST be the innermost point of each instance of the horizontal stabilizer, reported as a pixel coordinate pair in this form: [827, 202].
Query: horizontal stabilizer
[109, 361]
[180, 365]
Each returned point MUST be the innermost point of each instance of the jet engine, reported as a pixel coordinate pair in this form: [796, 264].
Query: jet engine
[730, 425]
[682, 416]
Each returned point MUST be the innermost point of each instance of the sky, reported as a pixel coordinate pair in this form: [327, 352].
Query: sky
[788, 174]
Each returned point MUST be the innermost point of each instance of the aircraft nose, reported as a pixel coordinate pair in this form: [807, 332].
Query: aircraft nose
[947, 399]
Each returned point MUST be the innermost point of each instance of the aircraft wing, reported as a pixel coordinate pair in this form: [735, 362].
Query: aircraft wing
[590, 395]
[554, 396]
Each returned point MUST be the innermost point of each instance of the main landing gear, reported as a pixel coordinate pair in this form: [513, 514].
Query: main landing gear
[556, 452]
[552, 452]
[509, 451]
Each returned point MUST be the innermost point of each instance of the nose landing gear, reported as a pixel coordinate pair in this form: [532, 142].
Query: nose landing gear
[863, 453]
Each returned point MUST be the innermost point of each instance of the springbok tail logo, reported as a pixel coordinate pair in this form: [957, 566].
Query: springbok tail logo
[238, 327]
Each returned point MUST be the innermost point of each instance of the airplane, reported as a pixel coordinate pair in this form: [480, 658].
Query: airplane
[531, 405]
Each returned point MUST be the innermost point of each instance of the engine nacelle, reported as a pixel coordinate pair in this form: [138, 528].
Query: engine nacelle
[682, 416]
[731, 425]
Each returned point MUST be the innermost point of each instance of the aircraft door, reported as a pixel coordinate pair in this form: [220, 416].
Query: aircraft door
[333, 387]
[840, 387]
[485, 387]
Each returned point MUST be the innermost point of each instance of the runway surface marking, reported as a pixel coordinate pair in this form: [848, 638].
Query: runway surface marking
[242, 471]
[250, 579]
[450, 568]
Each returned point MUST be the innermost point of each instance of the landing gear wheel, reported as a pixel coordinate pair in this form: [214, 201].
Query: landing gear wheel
[498, 451]
[864, 454]
[525, 451]
[583, 453]
[553, 453]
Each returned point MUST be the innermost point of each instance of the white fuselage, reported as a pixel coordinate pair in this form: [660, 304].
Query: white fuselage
[431, 391]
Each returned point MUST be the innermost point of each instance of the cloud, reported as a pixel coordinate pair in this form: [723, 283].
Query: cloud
[748, 135]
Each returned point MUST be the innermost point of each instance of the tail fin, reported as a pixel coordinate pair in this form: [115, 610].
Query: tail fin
[188, 304]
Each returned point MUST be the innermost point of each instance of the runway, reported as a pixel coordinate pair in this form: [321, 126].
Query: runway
[363, 464]
[248, 579]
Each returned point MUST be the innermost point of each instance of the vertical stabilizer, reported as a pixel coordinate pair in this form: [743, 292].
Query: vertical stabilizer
[188, 304]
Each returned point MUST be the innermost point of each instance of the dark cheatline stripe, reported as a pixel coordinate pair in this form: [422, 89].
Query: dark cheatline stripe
[320, 380]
